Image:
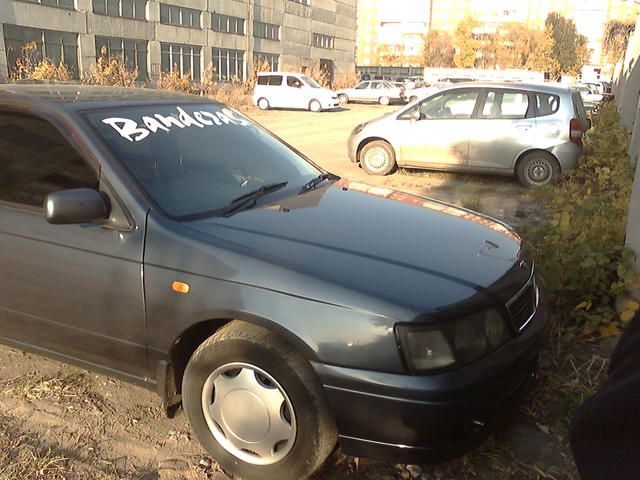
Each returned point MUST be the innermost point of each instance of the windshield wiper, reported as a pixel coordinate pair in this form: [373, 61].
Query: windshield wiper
[314, 182]
[251, 196]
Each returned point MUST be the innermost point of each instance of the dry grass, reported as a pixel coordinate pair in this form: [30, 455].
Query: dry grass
[34, 387]
[110, 71]
[21, 457]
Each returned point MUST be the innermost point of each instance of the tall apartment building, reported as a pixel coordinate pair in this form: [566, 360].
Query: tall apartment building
[159, 35]
[590, 17]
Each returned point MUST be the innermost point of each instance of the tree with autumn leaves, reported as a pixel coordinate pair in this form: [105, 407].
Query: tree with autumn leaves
[558, 49]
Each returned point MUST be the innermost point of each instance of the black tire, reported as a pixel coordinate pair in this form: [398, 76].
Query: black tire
[243, 342]
[343, 98]
[377, 158]
[263, 104]
[537, 169]
[413, 98]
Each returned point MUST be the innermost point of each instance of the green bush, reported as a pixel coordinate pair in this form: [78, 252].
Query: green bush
[579, 249]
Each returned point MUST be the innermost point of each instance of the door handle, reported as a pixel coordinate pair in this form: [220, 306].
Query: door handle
[525, 128]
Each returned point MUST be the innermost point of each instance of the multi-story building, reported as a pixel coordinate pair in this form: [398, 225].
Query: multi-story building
[190, 35]
[407, 17]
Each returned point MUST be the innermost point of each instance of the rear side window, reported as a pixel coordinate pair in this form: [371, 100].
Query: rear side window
[578, 106]
[546, 104]
[36, 160]
[270, 80]
[506, 105]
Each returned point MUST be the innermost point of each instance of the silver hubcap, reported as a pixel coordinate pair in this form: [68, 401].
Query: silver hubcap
[249, 413]
[384, 101]
[315, 106]
[377, 159]
[263, 104]
[539, 172]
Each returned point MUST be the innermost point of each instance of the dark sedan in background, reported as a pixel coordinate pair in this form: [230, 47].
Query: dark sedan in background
[168, 240]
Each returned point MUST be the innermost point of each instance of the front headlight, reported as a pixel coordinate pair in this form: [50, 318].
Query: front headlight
[454, 343]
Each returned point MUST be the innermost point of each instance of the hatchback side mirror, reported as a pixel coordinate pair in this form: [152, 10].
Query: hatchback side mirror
[79, 205]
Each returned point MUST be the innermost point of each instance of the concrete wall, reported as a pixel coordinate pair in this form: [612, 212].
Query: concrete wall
[297, 22]
[627, 98]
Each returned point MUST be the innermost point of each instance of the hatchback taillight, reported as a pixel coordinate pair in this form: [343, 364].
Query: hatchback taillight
[576, 130]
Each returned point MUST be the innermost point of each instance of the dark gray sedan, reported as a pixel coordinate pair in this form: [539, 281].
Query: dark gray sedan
[170, 241]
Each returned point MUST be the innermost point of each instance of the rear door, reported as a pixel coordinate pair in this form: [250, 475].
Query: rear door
[277, 94]
[505, 127]
[440, 138]
[358, 92]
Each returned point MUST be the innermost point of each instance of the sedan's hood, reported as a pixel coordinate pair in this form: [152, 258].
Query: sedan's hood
[390, 244]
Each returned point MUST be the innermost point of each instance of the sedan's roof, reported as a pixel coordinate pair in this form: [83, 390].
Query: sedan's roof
[73, 96]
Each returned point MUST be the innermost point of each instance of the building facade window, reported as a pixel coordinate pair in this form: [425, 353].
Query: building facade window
[184, 58]
[323, 41]
[228, 64]
[303, 2]
[227, 24]
[54, 3]
[268, 31]
[121, 8]
[181, 16]
[59, 47]
[133, 53]
[271, 59]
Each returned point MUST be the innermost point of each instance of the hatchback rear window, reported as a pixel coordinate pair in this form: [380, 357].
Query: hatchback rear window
[547, 104]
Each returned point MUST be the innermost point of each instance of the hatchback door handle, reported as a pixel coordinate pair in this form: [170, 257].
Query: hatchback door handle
[524, 128]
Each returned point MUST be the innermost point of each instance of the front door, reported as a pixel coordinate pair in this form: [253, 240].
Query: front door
[294, 95]
[72, 290]
[435, 132]
[504, 128]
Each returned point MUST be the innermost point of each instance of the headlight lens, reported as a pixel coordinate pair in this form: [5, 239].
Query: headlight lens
[452, 343]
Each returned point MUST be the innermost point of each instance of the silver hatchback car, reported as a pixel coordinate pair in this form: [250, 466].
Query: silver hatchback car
[531, 130]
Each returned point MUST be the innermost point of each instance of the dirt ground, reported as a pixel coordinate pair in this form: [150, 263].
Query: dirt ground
[60, 422]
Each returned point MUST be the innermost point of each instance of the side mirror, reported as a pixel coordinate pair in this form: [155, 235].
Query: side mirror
[79, 205]
[416, 115]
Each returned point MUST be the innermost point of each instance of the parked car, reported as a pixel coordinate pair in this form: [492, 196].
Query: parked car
[375, 91]
[590, 98]
[533, 131]
[292, 90]
[422, 90]
[169, 240]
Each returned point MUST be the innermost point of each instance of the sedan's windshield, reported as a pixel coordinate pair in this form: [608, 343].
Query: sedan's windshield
[193, 160]
[311, 82]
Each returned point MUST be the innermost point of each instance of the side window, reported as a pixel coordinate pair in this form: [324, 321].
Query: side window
[293, 82]
[263, 80]
[362, 86]
[547, 104]
[506, 105]
[36, 160]
[450, 105]
[275, 80]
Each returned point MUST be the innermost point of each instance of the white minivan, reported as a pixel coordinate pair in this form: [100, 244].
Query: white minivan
[292, 90]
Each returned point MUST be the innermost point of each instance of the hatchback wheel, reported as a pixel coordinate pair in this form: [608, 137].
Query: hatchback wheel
[343, 99]
[384, 100]
[315, 106]
[413, 98]
[263, 104]
[537, 169]
[256, 406]
[378, 158]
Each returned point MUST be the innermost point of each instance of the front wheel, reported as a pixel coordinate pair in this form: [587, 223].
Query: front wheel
[377, 158]
[537, 169]
[315, 106]
[256, 406]
[384, 101]
[343, 99]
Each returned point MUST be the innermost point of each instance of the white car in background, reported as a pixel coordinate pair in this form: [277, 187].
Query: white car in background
[373, 91]
[292, 90]
[421, 90]
[589, 98]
